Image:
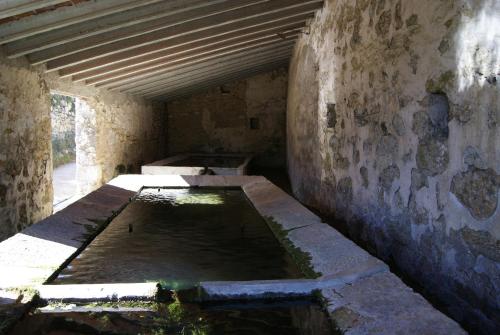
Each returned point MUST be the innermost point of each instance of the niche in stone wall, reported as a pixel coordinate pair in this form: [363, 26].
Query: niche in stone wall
[225, 89]
[254, 123]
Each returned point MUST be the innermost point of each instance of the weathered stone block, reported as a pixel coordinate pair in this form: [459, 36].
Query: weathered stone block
[383, 304]
[332, 254]
[388, 176]
[432, 156]
[477, 190]
[384, 23]
[482, 242]
[473, 158]
[398, 125]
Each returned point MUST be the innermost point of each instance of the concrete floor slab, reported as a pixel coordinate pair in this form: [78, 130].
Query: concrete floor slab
[332, 254]
[383, 304]
[274, 204]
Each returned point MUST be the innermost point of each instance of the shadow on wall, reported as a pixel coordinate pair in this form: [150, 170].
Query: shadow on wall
[411, 161]
[302, 134]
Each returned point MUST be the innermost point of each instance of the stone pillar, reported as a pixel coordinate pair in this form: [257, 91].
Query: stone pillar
[88, 171]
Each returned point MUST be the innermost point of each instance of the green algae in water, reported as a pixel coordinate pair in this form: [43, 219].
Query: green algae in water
[202, 199]
[183, 236]
[299, 317]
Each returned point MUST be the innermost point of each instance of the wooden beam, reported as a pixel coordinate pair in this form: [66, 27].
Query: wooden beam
[183, 60]
[197, 30]
[65, 16]
[202, 86]
[229, 63]
[96, 68]
[216, 63]
[192, 81]
[125, 39]
[193, 78]
[10, 8]
[122, 25]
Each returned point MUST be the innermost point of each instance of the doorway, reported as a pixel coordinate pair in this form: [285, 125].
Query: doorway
[63, 117]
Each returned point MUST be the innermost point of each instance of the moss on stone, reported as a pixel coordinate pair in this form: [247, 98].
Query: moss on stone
[440, 84]
[119, 304]
[412, 20]
[432, 156]
[301, 258]
[91, 229]
[7, 322]
[25, 292]
[477, 190]
[120, 169]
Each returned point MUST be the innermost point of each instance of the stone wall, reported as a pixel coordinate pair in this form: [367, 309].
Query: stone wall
[219, 120]
[115, 134]
[25, 148]
[125, 136]
[393, 129]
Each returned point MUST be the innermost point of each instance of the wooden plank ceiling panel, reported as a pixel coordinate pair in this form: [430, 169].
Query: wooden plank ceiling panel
[157, 49]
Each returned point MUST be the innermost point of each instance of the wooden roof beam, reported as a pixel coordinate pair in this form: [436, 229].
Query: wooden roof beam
[10, 8]
[175, 62]
[167, 51]
[65, 16]
[193, 88]
[122, 25]
[181, 34]
[218, 62]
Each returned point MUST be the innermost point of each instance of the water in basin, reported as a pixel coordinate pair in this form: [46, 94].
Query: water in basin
[181, 237]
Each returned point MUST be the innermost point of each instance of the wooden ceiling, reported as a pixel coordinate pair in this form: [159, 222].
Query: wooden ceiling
[158, 49]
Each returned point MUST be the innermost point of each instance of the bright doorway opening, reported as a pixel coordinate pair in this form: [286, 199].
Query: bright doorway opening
[63, 118]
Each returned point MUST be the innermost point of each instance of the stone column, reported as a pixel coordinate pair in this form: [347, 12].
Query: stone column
[88, 171]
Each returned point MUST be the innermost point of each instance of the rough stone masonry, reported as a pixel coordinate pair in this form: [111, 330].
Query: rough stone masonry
[393, 129]
[219, 119]
[115, 130]
[392, 117]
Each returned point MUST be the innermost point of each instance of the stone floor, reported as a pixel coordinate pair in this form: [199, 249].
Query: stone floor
[64, 182]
